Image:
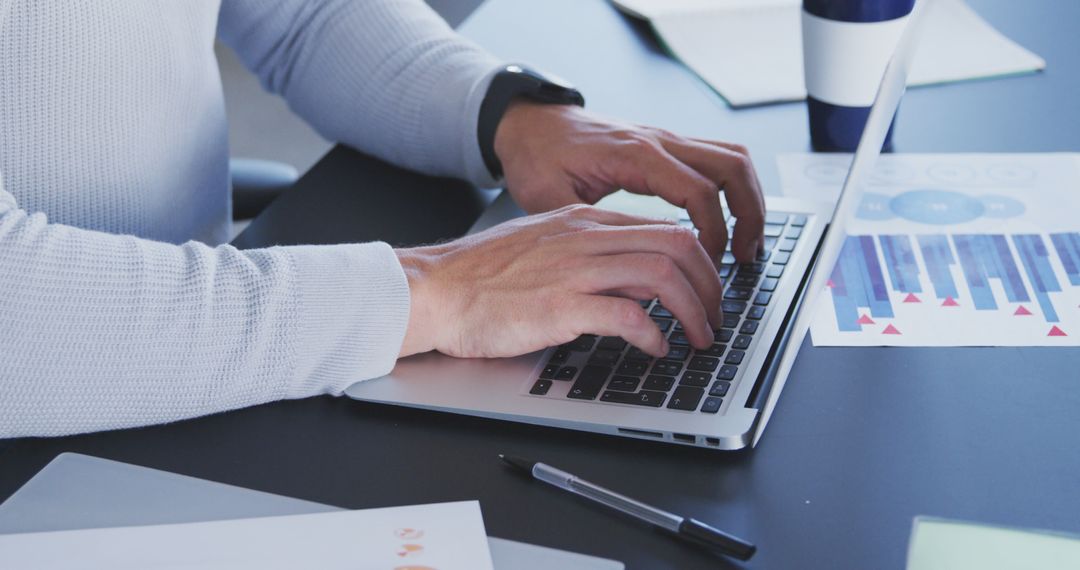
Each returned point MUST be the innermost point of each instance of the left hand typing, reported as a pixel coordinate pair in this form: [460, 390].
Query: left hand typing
[555, 155]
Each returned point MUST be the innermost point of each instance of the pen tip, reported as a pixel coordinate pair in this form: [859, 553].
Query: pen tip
[522, 464]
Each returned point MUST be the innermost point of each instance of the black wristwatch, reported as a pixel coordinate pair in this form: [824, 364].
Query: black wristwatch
[517, 81]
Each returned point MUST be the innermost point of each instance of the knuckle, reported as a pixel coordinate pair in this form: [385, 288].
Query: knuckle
[739, 149]
[638, 144]
[662, 266]
[742, 163]
[630, 314]
[682, 239]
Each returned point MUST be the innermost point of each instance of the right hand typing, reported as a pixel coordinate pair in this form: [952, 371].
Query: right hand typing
[543, 280]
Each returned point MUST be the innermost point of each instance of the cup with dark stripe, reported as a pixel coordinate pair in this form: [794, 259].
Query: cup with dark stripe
[846, 46]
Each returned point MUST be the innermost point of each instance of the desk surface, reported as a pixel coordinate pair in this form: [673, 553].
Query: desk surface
[849, 458]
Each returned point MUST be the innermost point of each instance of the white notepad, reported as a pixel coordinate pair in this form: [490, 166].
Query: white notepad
[750, 51]
[77, 492]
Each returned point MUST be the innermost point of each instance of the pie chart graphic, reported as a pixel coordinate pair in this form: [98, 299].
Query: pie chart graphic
[937, 207]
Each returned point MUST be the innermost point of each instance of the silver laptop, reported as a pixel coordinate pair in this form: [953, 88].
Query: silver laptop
[719, 398]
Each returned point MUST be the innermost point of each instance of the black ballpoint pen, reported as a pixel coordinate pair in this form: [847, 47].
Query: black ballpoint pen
[689, 529]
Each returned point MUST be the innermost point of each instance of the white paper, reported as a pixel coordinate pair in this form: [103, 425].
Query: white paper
[750, 51]
[939, 544]
[980, 216]
[445, 536]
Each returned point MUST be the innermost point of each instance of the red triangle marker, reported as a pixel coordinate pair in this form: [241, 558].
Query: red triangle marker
[1054, 331]
[891, 330]
[950, 302]
[911, 298]
[1021, 310]
[865, 320]
[830, 284]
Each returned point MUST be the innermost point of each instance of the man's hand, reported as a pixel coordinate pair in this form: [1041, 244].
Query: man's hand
[555, 155]
[543, 280]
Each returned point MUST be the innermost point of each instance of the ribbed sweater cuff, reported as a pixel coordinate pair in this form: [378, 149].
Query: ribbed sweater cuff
[354, 307]
[452, 105]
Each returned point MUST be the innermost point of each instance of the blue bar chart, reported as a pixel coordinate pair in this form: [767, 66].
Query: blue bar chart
[950, 250]
[1010, 275]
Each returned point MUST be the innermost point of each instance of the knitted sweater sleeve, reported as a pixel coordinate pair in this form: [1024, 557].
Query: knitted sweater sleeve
[101, 331]
[388, 77]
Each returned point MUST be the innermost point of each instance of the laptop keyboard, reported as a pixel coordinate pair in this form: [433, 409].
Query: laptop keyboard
[609, 370]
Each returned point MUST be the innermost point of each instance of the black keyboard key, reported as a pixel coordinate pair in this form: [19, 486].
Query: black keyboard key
[715, 351]
[775, 270]
[632, 367]
[742, 342]
[642, 398]
[763, 255]
[753, 268]
[662, 383]
[762, 298]
[756, 313]
[566, 373]
[749, 327]
[727, 372]
[635, 353]
[678, 338]
[623, 383]
[703, 363]
[770, 243]
[724, 271]
[691, 378]
[733, 307]
[781, 257]
[745, 280]
[734, 357]
[730, 321]
[678, 326]
[541, 387]
[769, 284]
[678, 353]
[724, 335]
[604, 357]
[719, 388]
[711, 405]
[611, 343]
[786, 245]
[661, 311]
[581, 343]
[645, 304]
[663, 324]
[549, 371]
[776, 218]
[686, 398]
[738, 293]
[559, 356]
[798, 220]
[588, 384]
[773, 230]
[793, 233]
[667, 367]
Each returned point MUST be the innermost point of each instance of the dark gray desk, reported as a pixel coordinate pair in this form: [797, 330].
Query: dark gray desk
[863, 440]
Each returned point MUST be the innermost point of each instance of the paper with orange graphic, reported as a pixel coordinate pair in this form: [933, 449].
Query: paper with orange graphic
[443, 536]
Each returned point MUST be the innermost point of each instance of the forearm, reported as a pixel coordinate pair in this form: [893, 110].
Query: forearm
[103, 331]
[388, 77]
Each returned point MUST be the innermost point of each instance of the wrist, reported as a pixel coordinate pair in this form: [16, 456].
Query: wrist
[522, 120]
[417, 264]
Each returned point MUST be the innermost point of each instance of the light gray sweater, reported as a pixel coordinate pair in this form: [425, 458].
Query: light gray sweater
[113, 158]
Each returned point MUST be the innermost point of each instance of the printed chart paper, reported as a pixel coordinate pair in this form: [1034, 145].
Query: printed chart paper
[940, 544]
[446, 536]
[951, 250]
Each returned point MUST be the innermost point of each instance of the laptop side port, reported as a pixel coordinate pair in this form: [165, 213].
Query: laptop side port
[641, 433]
[712, 441]
[684, 438]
